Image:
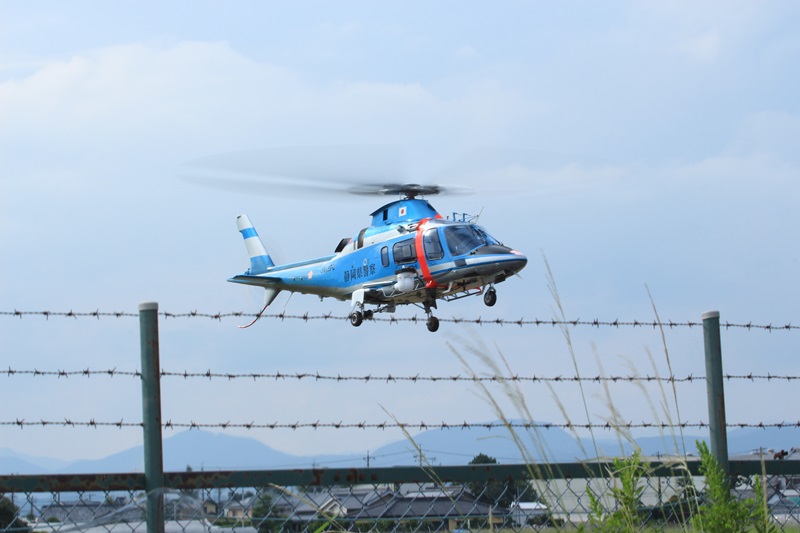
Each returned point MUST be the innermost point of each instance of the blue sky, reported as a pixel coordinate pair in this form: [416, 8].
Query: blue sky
[632, 143]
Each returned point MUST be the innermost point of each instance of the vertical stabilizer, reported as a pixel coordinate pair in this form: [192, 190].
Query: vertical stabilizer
[260, 260]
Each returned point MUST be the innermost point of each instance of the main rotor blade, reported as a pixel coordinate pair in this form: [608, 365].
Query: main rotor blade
[309, 170]
[325, 165]
[268, 186]
[384, 170]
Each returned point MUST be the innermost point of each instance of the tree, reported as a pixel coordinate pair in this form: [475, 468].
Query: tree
[502, 493]
[9, 521]
[262, 512]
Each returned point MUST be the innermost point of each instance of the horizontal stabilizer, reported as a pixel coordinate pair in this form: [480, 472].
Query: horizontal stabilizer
[257, 281]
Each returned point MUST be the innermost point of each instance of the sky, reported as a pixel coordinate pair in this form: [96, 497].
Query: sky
[647, 153]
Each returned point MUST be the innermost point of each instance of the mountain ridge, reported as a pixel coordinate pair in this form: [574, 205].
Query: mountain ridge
[204, 450]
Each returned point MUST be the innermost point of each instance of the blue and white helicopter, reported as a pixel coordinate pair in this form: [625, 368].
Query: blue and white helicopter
[409, 254]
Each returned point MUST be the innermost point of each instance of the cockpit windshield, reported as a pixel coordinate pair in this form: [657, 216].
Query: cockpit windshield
[463, 239]
[491, 241]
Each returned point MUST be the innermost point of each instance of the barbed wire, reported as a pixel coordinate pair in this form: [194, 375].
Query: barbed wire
[389, 378]
[414, 319]
[422, 426]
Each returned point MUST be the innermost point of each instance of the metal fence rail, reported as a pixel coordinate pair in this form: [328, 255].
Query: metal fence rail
[476, 497]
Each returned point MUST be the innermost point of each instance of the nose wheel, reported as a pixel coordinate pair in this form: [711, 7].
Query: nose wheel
[356, 318]
[490, 297]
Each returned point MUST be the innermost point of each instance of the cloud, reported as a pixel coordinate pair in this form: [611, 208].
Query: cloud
[138, 92]
[769, 132]
[465, 53]
[703, 48]
[192, 92]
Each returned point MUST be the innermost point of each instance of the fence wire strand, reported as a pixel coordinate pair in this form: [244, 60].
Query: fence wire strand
[414, 319]
[422, 426]
[389, 378]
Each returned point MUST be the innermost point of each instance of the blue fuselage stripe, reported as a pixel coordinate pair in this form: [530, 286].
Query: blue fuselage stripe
[249, 232]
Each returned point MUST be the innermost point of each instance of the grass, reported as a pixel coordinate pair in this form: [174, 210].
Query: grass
[616, 505]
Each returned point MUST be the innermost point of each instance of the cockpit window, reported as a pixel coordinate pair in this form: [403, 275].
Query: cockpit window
[462, 239]
[491, 241]
[432, 244]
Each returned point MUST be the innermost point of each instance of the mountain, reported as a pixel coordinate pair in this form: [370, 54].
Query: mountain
[196, 449]
[11, 461]
[20, 466]
[202, 450]
[458, 446]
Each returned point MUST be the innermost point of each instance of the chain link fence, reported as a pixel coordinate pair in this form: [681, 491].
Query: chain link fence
[559, 497]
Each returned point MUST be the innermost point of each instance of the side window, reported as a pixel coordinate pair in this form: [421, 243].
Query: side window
[404, 252]
[385, 256]
[432, 244]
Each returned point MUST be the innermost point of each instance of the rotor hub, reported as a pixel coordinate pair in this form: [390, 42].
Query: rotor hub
[407, 190]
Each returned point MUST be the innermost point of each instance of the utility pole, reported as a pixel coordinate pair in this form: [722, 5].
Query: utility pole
[421, 455]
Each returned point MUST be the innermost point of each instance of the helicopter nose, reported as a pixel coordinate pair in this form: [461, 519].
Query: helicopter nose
[502, 263]
[507, 259]
[518, 263]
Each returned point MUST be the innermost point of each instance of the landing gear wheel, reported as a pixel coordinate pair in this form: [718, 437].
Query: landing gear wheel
[356, 318]
[368, 315]
[490, 297]
[433, 324]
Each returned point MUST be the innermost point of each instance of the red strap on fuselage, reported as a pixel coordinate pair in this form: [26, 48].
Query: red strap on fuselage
[423, 261]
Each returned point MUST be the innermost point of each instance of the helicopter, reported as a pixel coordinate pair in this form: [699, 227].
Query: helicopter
[408, 255]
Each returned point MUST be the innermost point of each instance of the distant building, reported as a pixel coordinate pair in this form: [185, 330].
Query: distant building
[528, 513]
[87, 511]
[210, 507]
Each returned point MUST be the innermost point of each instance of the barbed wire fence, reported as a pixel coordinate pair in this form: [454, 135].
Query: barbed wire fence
[422, 426]
[390, 378]
[279, 515]
[414, 319]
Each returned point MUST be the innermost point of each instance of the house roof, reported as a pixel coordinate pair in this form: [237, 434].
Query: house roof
[335, 502]
[426, 505]
[530, 506]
